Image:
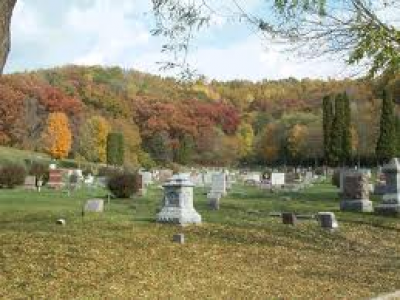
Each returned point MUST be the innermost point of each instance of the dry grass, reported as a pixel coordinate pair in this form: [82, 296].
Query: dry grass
[234, 255]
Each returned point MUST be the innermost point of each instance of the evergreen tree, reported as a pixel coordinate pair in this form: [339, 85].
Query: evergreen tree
[327, 116]
[185, 151]
[385, 147]
[115, 149]
[397, 134]
[346, 142]
[337, 133]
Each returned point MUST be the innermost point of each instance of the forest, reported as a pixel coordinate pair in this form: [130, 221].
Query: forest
[164, 121]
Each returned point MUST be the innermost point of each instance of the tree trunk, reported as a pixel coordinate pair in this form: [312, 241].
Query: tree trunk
[6, 8]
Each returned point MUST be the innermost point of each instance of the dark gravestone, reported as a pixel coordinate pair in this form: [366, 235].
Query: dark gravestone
[179, 238]
[289, 218]
[55, 179]
[327, 220]
[355, 193]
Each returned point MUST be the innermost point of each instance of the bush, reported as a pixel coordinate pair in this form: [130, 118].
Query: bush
[123, 185]
[12, 175]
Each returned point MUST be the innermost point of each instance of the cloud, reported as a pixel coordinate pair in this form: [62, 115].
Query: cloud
[88, 32]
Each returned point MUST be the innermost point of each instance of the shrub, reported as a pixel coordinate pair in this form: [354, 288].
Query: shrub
[123, 185]
[12, 175]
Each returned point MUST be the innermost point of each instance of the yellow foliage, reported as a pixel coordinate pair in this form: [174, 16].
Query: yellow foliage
[246, 137]
[296, 139]
[57, 137]
[93, 139]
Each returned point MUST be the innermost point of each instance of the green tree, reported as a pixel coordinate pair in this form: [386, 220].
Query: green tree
[115, 149]
[327, 118]
[385, 147]
[185, 150]
[160, 147]
[347, 141]
[337, 132]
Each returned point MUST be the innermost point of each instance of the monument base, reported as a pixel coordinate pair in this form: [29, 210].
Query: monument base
[177, 215]
[362, 205]
[390, 205]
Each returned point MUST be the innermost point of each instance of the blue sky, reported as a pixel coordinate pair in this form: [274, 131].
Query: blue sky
[47, 33]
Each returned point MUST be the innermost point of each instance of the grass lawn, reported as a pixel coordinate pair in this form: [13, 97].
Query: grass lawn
[238, 252]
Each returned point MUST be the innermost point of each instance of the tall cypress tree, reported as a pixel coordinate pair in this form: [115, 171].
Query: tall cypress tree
[327, 118]
[385, 147]
[346, 138]
[337, 132]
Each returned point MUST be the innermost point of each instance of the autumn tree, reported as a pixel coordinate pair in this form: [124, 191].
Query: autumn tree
[296, 141]
[56, 137]
[245, 135]
[385, 147]
[93, 139]
[269, 143]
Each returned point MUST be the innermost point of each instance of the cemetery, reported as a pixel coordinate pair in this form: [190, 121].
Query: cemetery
[268, 244]
[171, 149]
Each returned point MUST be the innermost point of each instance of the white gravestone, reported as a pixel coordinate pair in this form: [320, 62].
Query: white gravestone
[178, 203]
[219, 184]
[94, 205]
[147, 178]
[277, 178]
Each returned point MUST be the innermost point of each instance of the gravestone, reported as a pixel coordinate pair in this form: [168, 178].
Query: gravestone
[290, 178]
[391, 199]
[213, 200]
[178, 238]
[147, 178]
[55, 179]
[178, 202]
[94, 205]
[277, 179]
[328, 220]
[140, 186]
[289, 218]
[30, 183]
[355, 195]
[207, 178]
[218, 184]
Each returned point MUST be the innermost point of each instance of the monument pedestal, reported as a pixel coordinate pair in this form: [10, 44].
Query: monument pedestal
[357, 205]
[178, 203]
[390, 205]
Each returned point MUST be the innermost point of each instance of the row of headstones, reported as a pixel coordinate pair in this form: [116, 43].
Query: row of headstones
[355, 190]
[59, 178]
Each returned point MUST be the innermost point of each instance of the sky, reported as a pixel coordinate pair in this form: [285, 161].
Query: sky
[49, 33]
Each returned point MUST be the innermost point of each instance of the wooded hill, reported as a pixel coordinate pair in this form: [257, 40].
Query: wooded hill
[164, 121]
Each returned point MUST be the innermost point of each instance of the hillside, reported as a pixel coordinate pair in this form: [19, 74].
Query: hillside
[164, 121]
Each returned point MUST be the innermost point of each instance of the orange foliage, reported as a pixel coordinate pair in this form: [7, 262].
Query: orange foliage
[57, 137]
